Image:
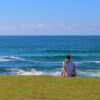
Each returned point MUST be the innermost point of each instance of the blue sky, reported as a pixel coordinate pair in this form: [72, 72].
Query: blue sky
[49, 17]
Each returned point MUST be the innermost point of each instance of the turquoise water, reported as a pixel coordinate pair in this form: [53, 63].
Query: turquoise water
[43, 55]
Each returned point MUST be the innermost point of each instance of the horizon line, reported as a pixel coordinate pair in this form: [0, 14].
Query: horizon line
[49, 35]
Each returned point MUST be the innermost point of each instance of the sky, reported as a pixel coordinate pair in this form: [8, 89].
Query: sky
[49, 17]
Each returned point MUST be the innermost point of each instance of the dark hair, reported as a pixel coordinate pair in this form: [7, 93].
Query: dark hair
[68, 57]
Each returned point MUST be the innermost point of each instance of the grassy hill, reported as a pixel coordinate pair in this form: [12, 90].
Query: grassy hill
[48, 88]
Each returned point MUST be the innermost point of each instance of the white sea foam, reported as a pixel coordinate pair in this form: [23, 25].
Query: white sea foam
[98, 62]
[4, 58]
[16, 58]
[84, 73]
[10, 58]
[56, 72]
[32, 72]
[37, 72]
[96, 74]
[89, 73]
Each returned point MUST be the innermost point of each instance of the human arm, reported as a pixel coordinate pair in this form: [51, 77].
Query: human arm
[63, 72]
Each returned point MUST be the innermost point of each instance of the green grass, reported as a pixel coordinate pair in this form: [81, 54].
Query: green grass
[48, 88]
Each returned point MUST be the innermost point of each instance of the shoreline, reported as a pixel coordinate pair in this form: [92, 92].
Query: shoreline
[49, 76]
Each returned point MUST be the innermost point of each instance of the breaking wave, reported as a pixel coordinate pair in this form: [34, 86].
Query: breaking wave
[15, 58]
[57, 72]
[11, 58]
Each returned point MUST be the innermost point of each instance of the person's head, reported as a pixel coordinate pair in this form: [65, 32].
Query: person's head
[67, 59]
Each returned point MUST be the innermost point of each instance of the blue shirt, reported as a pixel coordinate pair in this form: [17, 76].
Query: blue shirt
[69, 68]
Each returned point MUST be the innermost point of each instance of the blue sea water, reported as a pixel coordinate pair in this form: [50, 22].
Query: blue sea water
[43, 55]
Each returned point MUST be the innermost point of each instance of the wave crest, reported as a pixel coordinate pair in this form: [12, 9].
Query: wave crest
[11, 58]
[56, 72]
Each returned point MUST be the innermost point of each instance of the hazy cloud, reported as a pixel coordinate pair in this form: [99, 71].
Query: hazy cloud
[45, 28]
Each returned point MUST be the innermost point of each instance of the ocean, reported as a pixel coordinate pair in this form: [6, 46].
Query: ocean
[43, 55]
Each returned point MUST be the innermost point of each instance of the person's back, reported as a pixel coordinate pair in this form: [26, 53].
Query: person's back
[69, 67]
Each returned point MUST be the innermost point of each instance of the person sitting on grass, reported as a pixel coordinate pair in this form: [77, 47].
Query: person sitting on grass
[68, 68]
